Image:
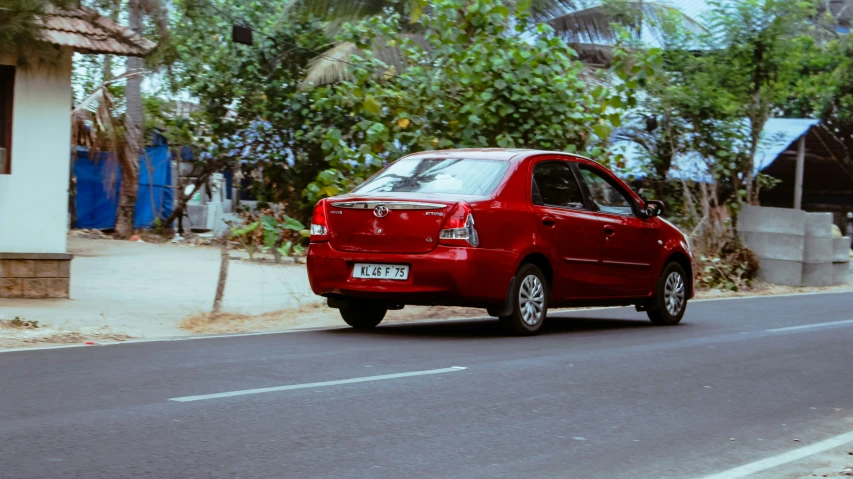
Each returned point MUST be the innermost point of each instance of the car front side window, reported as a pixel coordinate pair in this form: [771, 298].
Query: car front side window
[607, 196]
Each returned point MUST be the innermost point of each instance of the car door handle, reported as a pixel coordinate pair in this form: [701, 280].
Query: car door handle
[548, 221]
[609, 230]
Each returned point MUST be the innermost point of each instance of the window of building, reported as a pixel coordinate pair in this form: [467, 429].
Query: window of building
[7, 91]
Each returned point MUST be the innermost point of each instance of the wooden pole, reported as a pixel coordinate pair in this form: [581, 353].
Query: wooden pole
[798, 181]
[223, 277]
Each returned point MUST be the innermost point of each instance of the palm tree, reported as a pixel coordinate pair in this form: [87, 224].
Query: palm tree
[591, 30]
[135, 122]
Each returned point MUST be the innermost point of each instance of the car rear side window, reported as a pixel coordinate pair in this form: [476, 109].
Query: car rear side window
[603, 191]
[554, 184]
[438, 175]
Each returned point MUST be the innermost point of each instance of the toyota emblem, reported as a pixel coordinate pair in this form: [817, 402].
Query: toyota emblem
[380, 211]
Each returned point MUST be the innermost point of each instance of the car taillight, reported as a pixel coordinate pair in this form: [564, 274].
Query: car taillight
[459, 228]
[319, 226]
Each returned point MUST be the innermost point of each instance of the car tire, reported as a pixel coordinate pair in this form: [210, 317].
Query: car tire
[529, 302]
[363, 314]
[670, 301]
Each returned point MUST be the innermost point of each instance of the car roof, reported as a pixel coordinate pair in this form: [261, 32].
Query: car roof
[501, 154]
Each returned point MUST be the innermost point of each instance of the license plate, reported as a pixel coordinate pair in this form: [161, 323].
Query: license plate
[399, 272]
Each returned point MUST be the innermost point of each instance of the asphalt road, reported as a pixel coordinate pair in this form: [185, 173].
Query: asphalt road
[601, 394]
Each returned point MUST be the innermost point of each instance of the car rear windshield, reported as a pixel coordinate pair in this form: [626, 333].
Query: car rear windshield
[438, 175]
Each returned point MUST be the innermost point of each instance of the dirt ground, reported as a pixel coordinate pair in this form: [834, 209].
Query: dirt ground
[124, 290]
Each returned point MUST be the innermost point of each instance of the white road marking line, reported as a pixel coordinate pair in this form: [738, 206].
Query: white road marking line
[768, 296]
[784, 458]
[317, 385]
[809, 326]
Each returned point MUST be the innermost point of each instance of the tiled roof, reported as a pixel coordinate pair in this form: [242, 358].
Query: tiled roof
[89, 32]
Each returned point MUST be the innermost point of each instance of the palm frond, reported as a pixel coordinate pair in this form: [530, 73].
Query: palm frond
[96, 125]
[345, 10]
[334, 64]
[543, 10]
[600, 25]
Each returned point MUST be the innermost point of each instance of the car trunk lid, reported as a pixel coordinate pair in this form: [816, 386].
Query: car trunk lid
[386, 225]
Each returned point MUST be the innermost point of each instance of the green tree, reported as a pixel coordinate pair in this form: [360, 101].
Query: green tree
[251, 106]
[591, 28]
[480, 81]
[719, 89]
[823, 85]
[21, 23]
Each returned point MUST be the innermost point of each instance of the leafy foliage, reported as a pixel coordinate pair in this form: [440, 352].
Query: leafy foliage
[272, 230]
[20, 23]
[480, 82]
[250, 101]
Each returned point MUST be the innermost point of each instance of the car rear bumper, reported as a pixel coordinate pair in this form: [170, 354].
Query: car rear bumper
[447, 275]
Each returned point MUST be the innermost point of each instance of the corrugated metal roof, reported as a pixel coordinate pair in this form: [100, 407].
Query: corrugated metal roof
[777, 140]
[89, 32]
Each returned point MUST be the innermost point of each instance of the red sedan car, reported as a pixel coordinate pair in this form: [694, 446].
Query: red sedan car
[509, 230]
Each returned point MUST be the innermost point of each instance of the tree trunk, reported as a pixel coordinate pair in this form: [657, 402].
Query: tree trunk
[135, 135]
[223, 277]
[127, 194]
[202, 178]
[108, 60]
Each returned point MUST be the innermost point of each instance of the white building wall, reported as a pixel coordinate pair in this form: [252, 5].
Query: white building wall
[34, 198]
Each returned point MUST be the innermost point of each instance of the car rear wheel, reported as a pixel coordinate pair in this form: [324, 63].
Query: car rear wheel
[670, 299]
[361, 314]
[530, 302]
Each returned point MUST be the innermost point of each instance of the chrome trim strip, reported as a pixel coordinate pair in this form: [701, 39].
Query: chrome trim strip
[391, 205]
[566, 259]
[626, 263]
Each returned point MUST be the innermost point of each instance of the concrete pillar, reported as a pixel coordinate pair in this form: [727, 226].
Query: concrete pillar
[777, 237]
[798, 181]
[817, 254]
[841, 260]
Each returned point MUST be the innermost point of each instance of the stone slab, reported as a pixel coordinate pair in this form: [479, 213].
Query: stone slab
[817, 250]
[772, 220]
[21, 268]
[35, 288]
[819, 225]
[776, 271]
[197, 216]
[840, 273]
[64, 269]
[774, 245]
[58, 288]
[11, 287]
[44, 256]
[47, 268]
[819, 274]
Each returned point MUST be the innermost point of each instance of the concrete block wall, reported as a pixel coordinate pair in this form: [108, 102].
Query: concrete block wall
[794, 247]
[35, 275]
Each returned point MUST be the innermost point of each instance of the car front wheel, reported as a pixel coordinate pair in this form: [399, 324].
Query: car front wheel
[530, 302]
[361, 314]
[670, 299]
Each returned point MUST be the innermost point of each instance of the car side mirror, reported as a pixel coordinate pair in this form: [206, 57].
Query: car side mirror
[654, 208]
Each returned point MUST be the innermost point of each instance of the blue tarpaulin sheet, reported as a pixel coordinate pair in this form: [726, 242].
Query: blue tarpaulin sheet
[96, 206]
